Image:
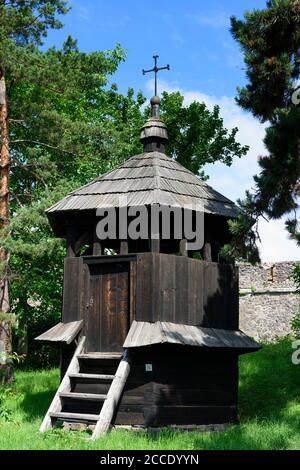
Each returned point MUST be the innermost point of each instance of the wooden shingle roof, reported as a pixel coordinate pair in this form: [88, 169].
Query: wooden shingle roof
[146, 179]
[146, 334]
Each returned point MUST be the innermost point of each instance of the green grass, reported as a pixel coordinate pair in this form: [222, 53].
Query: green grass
[269, 411]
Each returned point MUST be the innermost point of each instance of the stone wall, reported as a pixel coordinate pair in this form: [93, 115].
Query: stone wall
[268, 299]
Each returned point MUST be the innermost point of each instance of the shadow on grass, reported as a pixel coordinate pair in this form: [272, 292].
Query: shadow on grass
[35, 405]
[38, 389]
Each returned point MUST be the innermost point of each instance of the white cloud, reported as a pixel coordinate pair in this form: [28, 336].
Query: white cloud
[235, 180]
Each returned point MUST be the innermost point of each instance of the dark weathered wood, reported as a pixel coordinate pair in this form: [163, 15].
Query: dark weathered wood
[81, 417]
[183, 247]
[151, 333]
[83, 239]
[207, 252]
[101, 355]
[113, 397]
[80, 376]
[62, 332]
[144, 287]
[186, 291]
[83, 396]
[156, 416]
[124, 247]
[107, 316]
[97, 248]
[132, 292]
[155, 245]
[71, 241]
[72, 290]
[108, 259]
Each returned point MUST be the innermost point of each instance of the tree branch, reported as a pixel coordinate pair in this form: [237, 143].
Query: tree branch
[44, 144]
[24, 167]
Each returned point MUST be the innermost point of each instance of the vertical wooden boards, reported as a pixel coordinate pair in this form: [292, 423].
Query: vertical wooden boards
[195, 293]
[166, 288]
[186, 291]
[144, 287]
[124, 247]
[72, 289]
[107, 316]
[210, 293]
[132, 292]
[220, 301]
[207, 252]
[182, 289]
[97, 248]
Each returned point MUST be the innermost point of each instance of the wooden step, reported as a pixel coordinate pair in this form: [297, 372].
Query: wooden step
[102, 377]
[83, 396]
[101, 355]
[74, 416]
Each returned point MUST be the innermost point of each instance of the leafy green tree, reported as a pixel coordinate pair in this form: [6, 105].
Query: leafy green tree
[197, 136]
[22, 23]
[270, 41]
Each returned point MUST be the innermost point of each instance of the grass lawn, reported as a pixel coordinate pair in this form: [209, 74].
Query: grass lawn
[269, 411]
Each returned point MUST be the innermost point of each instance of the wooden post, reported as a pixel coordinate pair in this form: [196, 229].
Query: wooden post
[71, 241]
[155, 245]
[183, 247]
[97, 248]
[207, 252]
[113, 397]
[124, 247]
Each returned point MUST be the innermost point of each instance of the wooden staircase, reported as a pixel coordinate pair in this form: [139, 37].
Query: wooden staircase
[90, 390]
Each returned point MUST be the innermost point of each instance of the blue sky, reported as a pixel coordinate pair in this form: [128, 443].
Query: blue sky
[206, 64]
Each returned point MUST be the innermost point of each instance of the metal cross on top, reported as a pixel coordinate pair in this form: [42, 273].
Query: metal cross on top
[155, 70]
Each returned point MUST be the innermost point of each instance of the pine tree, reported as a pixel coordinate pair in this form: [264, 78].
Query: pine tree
[270, 41]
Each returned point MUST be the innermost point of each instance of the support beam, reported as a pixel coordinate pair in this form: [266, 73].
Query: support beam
[97, 248]
[113, 397]
[84, 239]
[124, 247]
[71, 241]
[155, 245]
[183, 247]
[207, 252]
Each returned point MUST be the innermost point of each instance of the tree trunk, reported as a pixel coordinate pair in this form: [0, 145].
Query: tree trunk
[5, 324]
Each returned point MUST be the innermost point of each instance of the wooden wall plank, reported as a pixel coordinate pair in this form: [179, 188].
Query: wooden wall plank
[72, 289]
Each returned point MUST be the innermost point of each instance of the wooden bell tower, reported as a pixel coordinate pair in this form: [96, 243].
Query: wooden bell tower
[172, 315]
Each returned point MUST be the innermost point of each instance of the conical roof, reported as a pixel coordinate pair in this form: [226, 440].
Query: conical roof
[146, 179]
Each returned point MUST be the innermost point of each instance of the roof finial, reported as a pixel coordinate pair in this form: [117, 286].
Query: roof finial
[156, 70]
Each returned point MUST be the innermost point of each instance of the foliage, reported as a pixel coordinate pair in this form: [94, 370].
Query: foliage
[296, 320]
[244, 236]
[269, 411]
[270, 42]
[196, 135]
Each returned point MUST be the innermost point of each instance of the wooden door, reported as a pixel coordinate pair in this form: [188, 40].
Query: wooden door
[107, 320]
